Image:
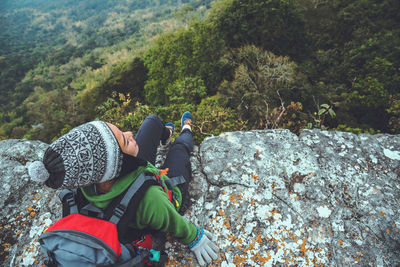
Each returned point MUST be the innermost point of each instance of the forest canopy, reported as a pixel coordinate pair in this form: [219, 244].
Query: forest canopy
[235, 64]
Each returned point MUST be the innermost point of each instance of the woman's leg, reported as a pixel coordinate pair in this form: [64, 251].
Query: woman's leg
[148, 137]
[178, 160]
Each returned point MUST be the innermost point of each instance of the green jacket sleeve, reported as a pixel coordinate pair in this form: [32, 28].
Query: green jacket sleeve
[156, 212]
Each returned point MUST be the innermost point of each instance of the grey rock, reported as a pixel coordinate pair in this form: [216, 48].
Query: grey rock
[268, 196]
[322, 197]
[27, 208]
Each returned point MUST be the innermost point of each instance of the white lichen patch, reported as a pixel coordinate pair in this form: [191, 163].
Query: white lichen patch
[373, 159]
[395, 155]
[324, 212]
[299, 188]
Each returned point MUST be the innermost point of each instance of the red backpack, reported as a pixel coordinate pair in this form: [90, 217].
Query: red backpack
[89, 236]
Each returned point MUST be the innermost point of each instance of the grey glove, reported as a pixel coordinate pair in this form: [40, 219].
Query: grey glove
[204, 249]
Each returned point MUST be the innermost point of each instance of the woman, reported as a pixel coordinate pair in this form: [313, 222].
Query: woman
[104, 161]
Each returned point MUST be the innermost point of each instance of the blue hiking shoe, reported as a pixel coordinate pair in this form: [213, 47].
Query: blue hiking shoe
[186, 116]
[172, 130]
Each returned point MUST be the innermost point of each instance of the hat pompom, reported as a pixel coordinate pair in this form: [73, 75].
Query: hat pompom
[38, 172]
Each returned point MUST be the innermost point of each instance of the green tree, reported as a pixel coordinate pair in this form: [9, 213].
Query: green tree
[187, 90]
[192, 52]
[274, 25]
[355, 65]
[128, 77]
[262, 81]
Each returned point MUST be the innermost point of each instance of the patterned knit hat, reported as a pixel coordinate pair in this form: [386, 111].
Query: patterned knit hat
[87, 154]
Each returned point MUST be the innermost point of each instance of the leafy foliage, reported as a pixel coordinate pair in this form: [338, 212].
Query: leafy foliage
[262, 81]
[188, 89]
[192, 52]
[274, 25]
[239, 65]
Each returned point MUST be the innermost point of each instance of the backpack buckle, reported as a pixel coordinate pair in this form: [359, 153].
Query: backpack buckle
[119, 210]
[70, 200]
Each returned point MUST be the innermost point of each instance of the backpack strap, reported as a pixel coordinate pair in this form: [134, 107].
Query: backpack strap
[92, 211]
[174, 181]
[69, 195]
[120, 209]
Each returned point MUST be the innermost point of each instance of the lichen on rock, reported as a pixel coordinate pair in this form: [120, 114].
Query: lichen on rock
[319, 198]
[270, 197]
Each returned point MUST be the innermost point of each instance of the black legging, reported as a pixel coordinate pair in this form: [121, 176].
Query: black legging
[151, 132]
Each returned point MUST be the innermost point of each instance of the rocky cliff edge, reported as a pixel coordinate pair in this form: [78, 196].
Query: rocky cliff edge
[270, 198]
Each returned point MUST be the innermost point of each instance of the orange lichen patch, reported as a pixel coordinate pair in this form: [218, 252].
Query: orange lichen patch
[397, 230]
[251, 247]
[234, 198]
[374, 216]
[220, 212]
[357, 259]
[223, 192]
[172, 262]
[346, 263]
[252, 202]
[6, 246]
[382, 213]
[364, 231]
[273, 211]
[30, 208]
[376, 190]
[340, 242]
[261, 260]
[238, 260]
[226, 224]
[254, 177]
[231, 238]
[296, 197]
[387, 231]
[303, 246]
[259, 239]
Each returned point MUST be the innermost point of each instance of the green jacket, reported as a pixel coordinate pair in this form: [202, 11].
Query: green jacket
[155, 211]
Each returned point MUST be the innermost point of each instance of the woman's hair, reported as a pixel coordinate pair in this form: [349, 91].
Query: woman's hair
[130, 163]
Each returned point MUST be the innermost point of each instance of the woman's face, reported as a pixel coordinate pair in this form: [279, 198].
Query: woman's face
[125, 140]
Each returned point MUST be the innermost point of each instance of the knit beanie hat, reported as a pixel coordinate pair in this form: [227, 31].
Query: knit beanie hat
[87, 154]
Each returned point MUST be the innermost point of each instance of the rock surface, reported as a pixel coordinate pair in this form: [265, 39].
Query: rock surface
[270, 198]
[27, 208]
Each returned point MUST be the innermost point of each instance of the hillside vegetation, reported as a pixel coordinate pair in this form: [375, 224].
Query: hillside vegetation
[236, 64]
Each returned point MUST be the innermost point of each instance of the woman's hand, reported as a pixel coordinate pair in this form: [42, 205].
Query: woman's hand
[205, 249]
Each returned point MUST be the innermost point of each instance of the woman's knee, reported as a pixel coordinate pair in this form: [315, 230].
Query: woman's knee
[155, 118]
